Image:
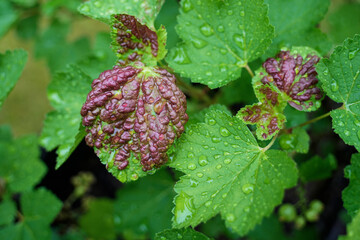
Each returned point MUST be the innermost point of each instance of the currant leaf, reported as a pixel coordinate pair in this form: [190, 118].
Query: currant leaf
[288, 78]
[352, 191]
[67, 92]
[12, 64]
[215, 49]
[146, 11]
[340, 78]
[298, 140]
[317, 168]
[185, 234]
[353, 230]
[133, 41]
[228, 173]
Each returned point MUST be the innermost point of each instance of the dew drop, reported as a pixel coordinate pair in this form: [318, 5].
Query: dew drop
[224, 195]
[216, 156]
[190, 155]
[134, 177]
[242, 13]
[198, 43]
[334, 86]
[347, 133]
[200, 175]
[227, 161]
[187, 6]
[206, 30]
[208, 203]
[184, 208]
[230, 12]
[204, 193]
[122, 176]
[209, 180]
[193, 183]
[223, 69]
[248, 188]
[191, 166]
[180, 56]
[239, 40]
[85, 8]
[216, 139]
[220, 28]
[203, 160]
[219, 166]
[341, 124]
[224, 132]
[230, 217]
[357, 123]
[211, 121]
[209, 74]
[352, 54]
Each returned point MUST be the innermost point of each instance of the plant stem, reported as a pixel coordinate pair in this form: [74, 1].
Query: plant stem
[249, 70]
[312, 120]
[270, 144]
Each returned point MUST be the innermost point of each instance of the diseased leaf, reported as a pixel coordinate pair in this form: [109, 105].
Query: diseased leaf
[288, 78]
[36, 220]
[103, 209]
[295, 26]
[8, 16]
[340, 78]
[351, 193]
[146, 11]
[67, 92]
[228, 173]
[20, 165]
[144, 207]
[185, 234]
[133, 41]
[12, 64]
[353, 230]
[220, 38]
[317, 168]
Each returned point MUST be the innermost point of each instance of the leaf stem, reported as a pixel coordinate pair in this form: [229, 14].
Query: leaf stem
[249, 70]
[270, 144]
[311, 121]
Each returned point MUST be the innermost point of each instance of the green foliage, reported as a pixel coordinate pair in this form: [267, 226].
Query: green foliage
[12, 64]
[186, 234]
[351, 192]
[227, 172]
[8, 16]
[340, 77]
[20, 166]
[146, 12]
[298, 141]
[317, 168]
[67, 92]
[103, 209]
[215, 49]
[353, 230]
[35, 220]
[294, 23]
[7, 212]
[144, 207]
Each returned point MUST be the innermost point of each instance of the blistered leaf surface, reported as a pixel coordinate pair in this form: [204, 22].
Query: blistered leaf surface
[340, 77]
[66, 92]
[351, 192]
[146, 11]
[132, 116]
[228, 173]
[12, 64]
[219, 39]
[288, 78]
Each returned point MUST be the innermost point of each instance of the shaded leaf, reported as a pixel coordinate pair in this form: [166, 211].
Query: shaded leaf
[215, 49]
[351, 193]
[8, 16]
[298, 141]
[7, 211]
[317, 168]
[185, 234]
[353, 230]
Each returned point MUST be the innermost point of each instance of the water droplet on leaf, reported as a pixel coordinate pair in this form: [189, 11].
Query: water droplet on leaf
[224, 132]
[248, 188]
[206, 30]
[184, 208]
[203, 160]
[191, 166]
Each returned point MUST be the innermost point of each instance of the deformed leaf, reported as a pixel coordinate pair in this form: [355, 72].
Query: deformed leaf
[12, 64]
[219, 39]
[185, 234]
[340, 78]
[146, 11]
[20, 165]
[288, 78]
[228, 173]
[132, 116]
[317, 168]
[144, 207]
[67, 92]
[351, 193]
[133, 41]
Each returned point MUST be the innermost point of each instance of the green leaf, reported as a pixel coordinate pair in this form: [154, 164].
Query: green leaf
[220, 38]
[27, 27]
[227, 172]
[103, 209]
[7, 212]
[295, 26]
[298, 88]
[298, 141]
[269, 229]
[200, 116]
[341, 22]
[340, 78]
[185, 234]
[12, 64]
[35, 224]
[146, 11]
[351, 192]
[50, 7]
[317, 168]
[353, 230]
[25, 3]
[8, 16]
[133, 41]
[20, 164]
[144, 206]
[67, 92]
